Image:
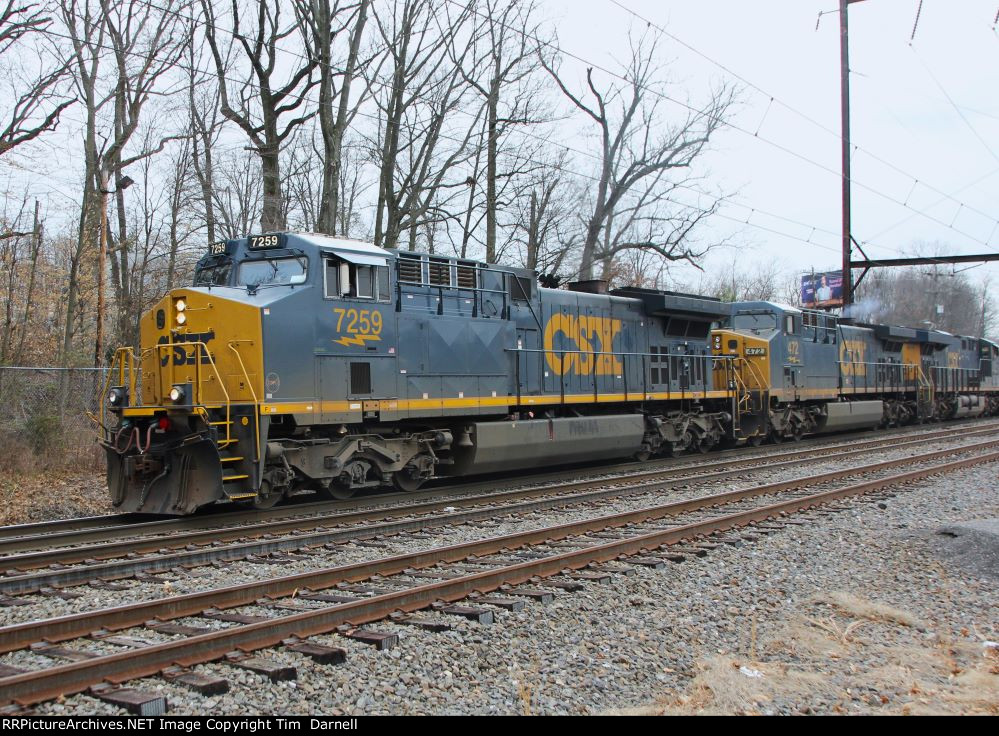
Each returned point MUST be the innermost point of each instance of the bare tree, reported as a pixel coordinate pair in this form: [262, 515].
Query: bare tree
[205, 128]
[420, 146]
[739, 281]
[545, 218]
[640, 157]
[259, 103]
[29, 295]
[500, 68]
[179, 229]
[145, 42]
[941, 296]
[36, 105]
[237, 194]
[327, 21]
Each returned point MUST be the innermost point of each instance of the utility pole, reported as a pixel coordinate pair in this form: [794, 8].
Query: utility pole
[844, 82]
[868, 263]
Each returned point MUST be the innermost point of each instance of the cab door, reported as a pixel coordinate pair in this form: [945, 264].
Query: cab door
[792, 356]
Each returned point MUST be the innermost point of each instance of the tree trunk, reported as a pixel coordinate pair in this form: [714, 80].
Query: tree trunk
[29, 297]
[333, 130]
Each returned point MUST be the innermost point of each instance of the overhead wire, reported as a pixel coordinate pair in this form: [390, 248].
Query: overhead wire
[533, 37]
[962, 205]
[714, 200]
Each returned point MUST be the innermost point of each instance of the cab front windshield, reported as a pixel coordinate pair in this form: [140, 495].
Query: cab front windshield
[272, 271]
[754, 321]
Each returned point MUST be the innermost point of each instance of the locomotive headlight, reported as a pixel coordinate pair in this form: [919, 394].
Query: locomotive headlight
[117, 397]
[180, 318]
[181, 305]
[177, 394]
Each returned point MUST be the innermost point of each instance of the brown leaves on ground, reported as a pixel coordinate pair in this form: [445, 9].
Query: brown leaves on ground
[33, 497]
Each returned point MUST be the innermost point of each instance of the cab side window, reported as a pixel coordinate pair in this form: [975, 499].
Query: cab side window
[365, 284]
[331, 275]
[350, 281]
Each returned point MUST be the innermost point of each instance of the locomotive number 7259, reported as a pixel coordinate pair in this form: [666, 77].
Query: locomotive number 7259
[359, 321]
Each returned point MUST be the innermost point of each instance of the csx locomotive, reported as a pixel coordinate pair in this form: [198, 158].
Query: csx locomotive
[301, 362]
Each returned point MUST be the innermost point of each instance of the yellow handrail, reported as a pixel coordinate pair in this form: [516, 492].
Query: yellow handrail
[756, 374]
[197, 399]
[122, 357]
[249, 383]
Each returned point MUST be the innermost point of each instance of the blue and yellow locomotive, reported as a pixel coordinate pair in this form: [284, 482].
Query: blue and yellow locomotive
[302, 362]
[816, 372]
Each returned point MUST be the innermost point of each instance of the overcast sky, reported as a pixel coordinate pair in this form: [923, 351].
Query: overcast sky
[899, 108]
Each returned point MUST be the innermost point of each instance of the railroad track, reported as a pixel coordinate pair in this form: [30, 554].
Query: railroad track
[21, 537]
[75, 532]
[524, 565]
[106, 560]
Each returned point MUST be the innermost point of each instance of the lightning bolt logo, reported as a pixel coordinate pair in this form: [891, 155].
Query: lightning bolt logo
[357, 340]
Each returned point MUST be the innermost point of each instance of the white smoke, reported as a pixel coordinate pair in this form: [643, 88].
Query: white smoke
[868, 309]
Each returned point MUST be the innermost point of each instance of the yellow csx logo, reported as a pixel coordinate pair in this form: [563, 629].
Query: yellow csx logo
[358, 326]
[587, 335]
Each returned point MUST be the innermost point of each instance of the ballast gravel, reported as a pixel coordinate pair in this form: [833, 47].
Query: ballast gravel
[179, 582]
[857, 611]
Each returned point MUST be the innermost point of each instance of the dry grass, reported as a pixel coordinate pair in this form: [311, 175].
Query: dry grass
[853, 607]
[846, 654]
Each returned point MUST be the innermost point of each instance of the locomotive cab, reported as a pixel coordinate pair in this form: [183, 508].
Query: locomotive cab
[193, 411]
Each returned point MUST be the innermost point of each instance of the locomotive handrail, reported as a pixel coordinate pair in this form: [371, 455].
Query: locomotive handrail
[938, 374]
[756, 374]
[197, 400]
[121, 356]
[707, 363]
[256, 403]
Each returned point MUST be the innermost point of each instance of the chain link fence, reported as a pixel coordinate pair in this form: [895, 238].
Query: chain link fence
[43, 417]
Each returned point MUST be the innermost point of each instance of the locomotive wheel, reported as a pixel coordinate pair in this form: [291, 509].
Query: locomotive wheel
[266, 497]
[341, 491]
[776, 437]
[704, 445]
[405, 481]
[263, 503]
[756, 440]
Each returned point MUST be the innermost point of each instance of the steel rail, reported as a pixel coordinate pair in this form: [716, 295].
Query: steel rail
[71, 626]
[31, 582]
[81, 552]
[34, 687]
[23, 537]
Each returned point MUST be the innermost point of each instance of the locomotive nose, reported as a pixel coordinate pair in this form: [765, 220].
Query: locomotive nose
[188, 435]
[205, 340]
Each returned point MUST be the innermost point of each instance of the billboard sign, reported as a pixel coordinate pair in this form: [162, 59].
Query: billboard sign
[822, 289]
